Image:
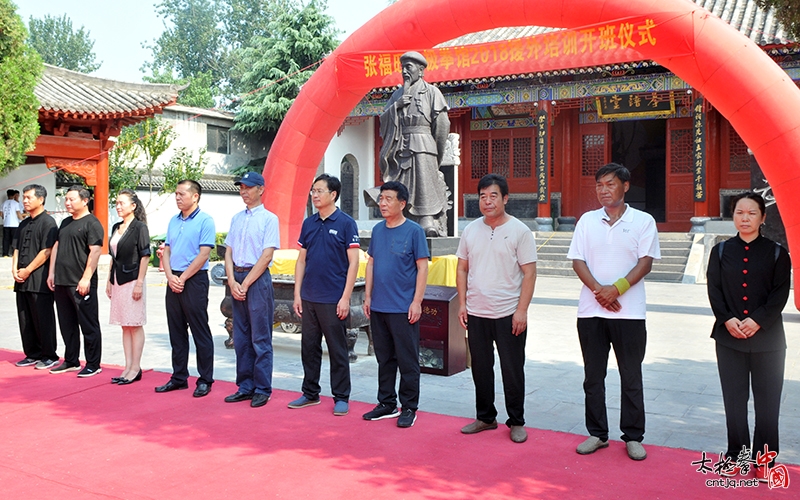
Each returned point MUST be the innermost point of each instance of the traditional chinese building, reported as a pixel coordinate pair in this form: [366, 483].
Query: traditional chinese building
[549, 131]
[79, 117]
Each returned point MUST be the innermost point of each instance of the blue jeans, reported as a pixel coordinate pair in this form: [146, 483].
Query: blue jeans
[252, 335]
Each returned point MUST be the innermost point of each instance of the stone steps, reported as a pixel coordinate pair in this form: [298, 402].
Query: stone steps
[552, 250]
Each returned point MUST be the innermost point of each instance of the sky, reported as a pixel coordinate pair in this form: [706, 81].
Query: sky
[119, 28]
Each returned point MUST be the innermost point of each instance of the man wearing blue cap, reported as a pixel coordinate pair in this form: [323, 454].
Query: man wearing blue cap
[251, 241]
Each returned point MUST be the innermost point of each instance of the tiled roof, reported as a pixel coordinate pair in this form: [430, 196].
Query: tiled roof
[211, 183]
[753, 22]
[71, 94]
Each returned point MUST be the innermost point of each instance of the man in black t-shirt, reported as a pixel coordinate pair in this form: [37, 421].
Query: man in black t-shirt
[30, 266]
[73, 278]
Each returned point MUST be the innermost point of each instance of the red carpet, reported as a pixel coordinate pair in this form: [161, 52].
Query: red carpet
[64, 437]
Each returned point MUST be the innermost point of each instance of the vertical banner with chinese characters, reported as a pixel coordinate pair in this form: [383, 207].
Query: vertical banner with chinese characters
[607, 43]
[542, 155]
[699, 142]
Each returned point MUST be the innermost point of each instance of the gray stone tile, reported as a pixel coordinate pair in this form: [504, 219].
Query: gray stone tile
[682, 394]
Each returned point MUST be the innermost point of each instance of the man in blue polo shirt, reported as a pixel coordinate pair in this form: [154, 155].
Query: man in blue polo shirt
[397, 273]
[190, 238]
[324, 277]
[251, 241]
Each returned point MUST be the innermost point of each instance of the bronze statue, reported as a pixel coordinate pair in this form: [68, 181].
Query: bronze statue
[414, 128]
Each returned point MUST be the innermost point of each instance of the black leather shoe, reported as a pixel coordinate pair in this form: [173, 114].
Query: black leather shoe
[172, 386]
[202, 390]
[115, 380]
[259, 400]
[237, 397]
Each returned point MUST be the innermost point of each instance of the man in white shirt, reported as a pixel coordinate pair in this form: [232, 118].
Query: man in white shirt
[495, 278]
[12, 214]
[612, 251]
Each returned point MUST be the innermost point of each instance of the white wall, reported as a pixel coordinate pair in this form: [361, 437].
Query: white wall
[161, 208]
[190, 127]
[30, 174]
[358, 141]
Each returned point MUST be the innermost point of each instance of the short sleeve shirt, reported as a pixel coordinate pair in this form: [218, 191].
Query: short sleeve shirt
[326, 242]
[394, 253]
[186, 236]
[252, 232]
[10, 217]
[74, 239]
[34, 235]
[610, 252]
[494, 281]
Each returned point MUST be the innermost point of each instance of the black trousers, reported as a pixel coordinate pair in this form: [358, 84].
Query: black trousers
[737, 370]
[320, 320]
[37, 325]
[396, 345]
[484, 333]
[629, 337]
[189, 309]
[76, 310]
[8, 237]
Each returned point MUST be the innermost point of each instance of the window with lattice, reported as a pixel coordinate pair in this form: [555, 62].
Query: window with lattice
[501, 153]
[509, 157]
[480, 158]
[739, 159]
[593, 154]
[522, 156]
[680, 154]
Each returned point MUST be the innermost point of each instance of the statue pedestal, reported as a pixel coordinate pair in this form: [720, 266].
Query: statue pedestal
[442, 245]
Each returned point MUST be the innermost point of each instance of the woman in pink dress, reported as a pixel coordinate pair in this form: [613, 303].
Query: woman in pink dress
[129, 246]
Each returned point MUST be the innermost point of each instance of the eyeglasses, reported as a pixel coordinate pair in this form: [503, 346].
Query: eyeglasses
[319, 192]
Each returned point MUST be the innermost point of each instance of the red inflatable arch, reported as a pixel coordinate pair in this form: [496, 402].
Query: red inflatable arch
[744, 84]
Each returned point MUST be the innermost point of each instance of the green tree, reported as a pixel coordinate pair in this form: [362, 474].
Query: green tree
[138, 148]
[279, 65]
[182, 166]
[155, 137]
[20, 69]
[123, 160]
[203, 41]
[788, 14]
[192, 41]
[60, 45]
[199, 93]
[242, 20]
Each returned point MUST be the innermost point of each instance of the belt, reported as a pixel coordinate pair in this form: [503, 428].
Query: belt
[416, 129]
[240, 269]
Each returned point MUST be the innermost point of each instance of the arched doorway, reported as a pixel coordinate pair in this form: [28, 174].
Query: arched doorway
[348, 198]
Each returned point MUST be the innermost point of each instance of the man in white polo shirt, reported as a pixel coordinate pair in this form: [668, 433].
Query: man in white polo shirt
[612, 251]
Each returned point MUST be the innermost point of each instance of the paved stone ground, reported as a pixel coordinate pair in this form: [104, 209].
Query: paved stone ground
[683, 401]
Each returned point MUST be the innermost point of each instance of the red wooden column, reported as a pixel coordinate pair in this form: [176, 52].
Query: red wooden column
[101, 196]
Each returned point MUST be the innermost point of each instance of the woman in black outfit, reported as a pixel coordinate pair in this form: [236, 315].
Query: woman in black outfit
[748, 286]
[129, 246]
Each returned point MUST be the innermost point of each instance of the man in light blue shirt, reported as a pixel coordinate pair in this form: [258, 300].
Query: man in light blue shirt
[190, 238]
[251, 241]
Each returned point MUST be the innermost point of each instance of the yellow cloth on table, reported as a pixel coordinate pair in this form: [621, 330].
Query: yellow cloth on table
[284, 261]
[442, 270]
